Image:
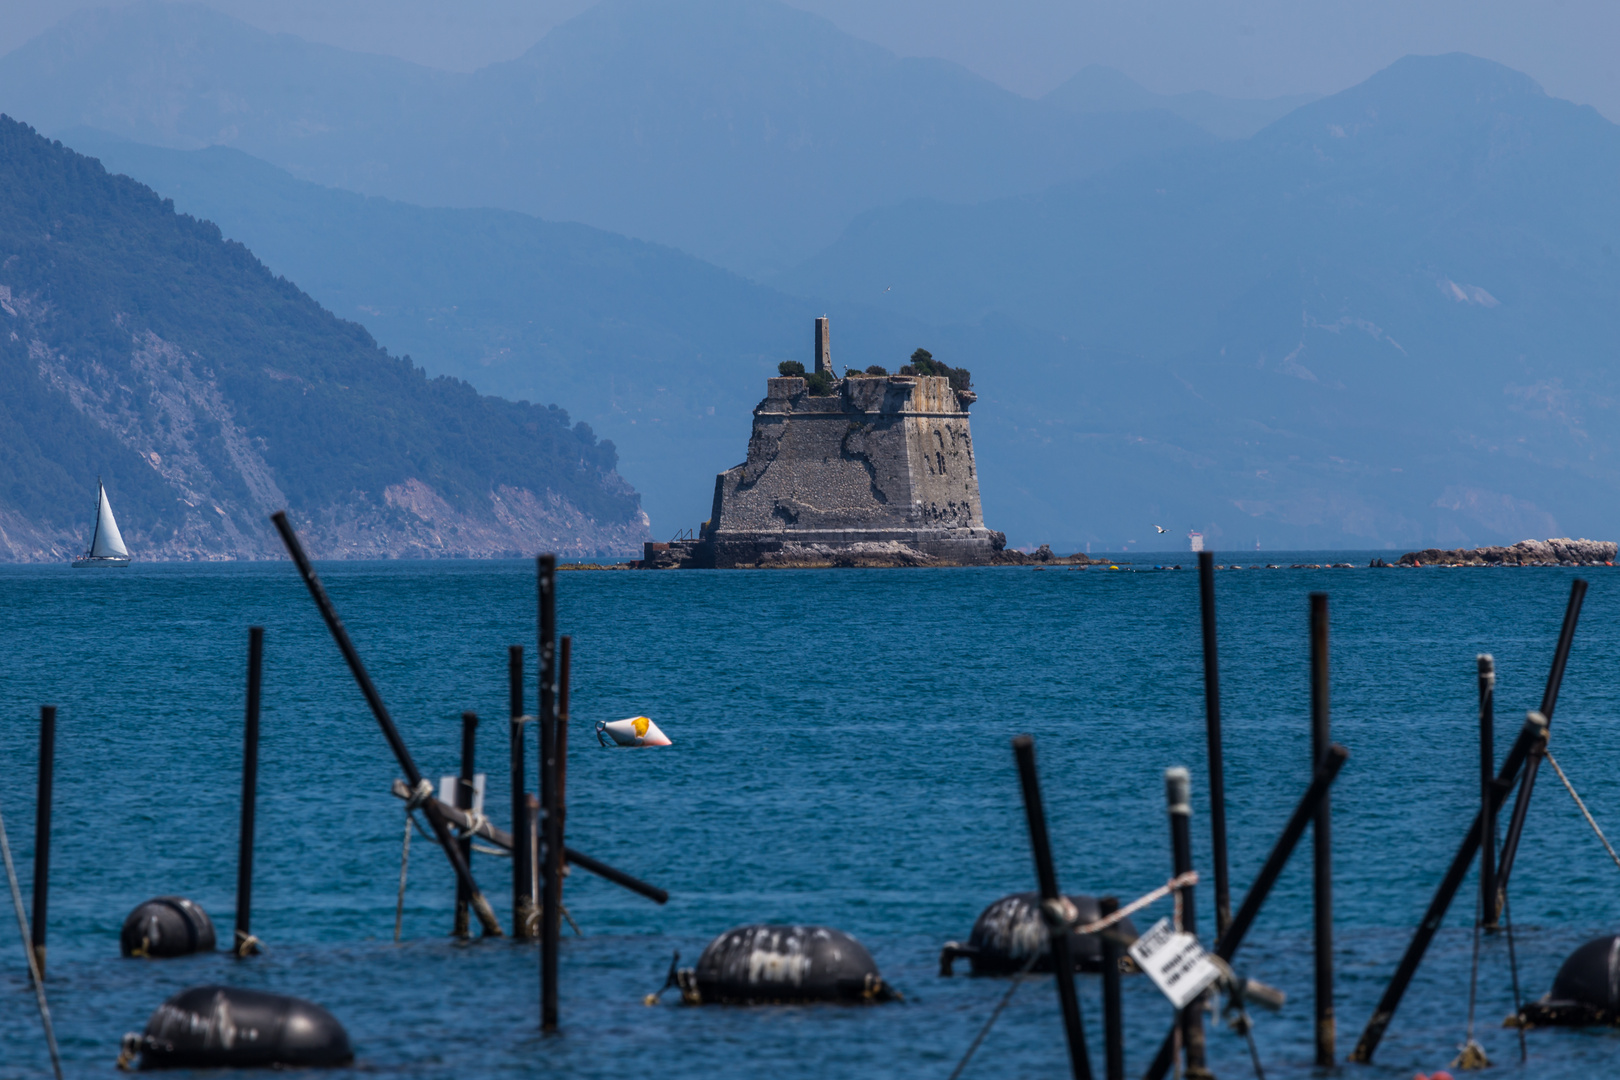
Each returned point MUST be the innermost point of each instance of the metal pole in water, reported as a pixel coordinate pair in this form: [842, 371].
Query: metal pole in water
[464, 801]
[1487, 777]
[1226, 947]
[1549, 698]
[1113, 1009]
[549, 848]
[1052, 903]
[565, 657]
[42, 830]
[1322, 879]
[522, 865]
[1212, 723]
[1178, 797]
[402, 754]
[1533, 732]
[245, 944]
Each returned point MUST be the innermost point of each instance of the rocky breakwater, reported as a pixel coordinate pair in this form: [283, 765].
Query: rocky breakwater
[1560, 552]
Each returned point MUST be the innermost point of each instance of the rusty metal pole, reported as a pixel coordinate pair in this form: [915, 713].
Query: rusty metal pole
[1113, 1009]
[464, 801]
[245, 944]
[550, 847]
[1322, 828]
[1178, 798]
[42, 830]
[523, 912]
[1212, 725]
[1487, 778]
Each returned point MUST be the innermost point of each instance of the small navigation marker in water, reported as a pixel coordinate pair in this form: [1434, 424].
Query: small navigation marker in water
[106, 543]
[635, 731]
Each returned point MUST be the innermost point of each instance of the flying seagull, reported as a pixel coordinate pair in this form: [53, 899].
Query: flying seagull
[1159, 527]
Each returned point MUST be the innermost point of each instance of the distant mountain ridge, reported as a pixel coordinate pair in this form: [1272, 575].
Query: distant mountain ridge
[745, 132]
[1099, 89]
[139, 345]
[1389, 317]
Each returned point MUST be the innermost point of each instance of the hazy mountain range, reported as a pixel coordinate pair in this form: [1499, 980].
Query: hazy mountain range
[746, 132]
[139, 346]
[1384, 318]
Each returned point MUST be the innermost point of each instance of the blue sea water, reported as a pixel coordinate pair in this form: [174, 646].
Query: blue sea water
[841, 756]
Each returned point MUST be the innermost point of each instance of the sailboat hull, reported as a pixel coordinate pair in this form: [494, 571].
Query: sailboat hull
[80, 564]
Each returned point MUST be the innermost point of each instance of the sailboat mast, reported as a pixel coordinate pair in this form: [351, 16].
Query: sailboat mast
[95, 533]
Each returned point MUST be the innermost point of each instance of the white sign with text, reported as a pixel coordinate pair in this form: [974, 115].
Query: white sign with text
[1175, 962]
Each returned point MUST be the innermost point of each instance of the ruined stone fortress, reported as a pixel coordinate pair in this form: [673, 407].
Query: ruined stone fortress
[879, 472]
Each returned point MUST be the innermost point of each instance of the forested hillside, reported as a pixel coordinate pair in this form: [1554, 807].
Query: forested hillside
[138, 345]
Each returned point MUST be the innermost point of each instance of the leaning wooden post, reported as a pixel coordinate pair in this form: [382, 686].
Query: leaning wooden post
[1549, 699]
[1212, 723]
[1327, 770]
[1053, 908]
[1487, 777]
[402, 754]
[1178, 798]
[1322, 878]
[1534, 731]
[1113, 1009]
[464, 801]
[550, 847]
[42, 830]
[523, 912]
[244, 943]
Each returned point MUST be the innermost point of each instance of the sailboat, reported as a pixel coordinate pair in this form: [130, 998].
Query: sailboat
[107, 545]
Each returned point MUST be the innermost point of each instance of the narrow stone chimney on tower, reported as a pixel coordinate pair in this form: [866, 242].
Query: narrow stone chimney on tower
[823, 347]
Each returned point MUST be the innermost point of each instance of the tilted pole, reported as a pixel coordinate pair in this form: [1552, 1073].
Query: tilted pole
[413, 775]
[42, 830]
[1549, 699]
[1052, 903]
[1533, 731]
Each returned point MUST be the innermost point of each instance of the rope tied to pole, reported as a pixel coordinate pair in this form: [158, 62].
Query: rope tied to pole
[1584, 811]
[248, 944]
[405, 866]
[28, 948]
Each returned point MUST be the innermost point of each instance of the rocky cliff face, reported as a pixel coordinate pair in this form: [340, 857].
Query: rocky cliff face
[140, 347]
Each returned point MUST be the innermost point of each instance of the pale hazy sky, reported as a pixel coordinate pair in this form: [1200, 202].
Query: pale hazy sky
[1244, 48]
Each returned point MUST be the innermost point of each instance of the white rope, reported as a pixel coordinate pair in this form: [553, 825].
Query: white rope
[1588, 814]
[28, 947]
[1179, 882]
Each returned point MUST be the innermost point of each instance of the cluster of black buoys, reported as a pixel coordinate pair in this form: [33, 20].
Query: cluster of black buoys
[1586, 991]
[211, 1027]
[1008, 931]
[765, 964]
[167, 926]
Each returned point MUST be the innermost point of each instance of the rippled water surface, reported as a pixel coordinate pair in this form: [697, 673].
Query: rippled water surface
[841, 756]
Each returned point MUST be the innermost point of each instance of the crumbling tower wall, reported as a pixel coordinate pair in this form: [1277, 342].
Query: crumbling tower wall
[881, 471]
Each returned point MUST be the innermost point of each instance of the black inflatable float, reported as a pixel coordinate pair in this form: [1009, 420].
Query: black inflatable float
[761, 964]
[1586, 991]
[167, 926]
[1007, 931]
[213, 1027]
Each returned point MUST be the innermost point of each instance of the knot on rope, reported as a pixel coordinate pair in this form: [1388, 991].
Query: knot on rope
[1059, 912]
[247, 944]
[419, 794]
[128, 1048]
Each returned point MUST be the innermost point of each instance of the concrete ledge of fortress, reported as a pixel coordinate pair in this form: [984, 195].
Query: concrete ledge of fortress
[879, 472]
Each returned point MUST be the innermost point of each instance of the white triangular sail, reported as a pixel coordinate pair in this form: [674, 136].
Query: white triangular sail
[108, 542]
